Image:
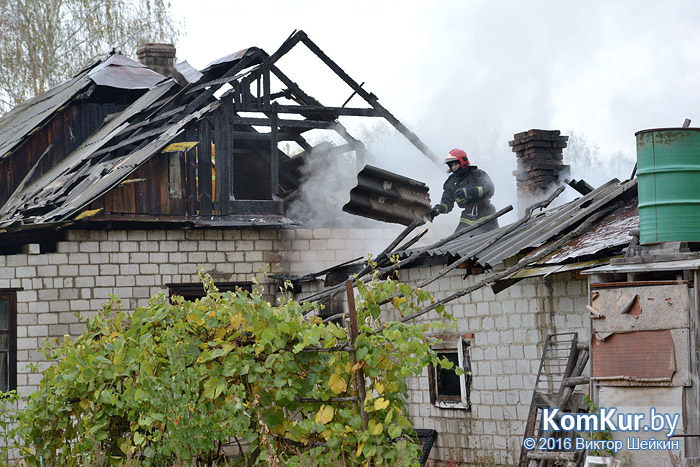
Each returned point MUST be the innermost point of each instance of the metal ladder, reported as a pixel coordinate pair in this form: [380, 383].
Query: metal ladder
[562, 363]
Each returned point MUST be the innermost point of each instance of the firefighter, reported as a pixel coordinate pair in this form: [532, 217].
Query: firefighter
[471, 188]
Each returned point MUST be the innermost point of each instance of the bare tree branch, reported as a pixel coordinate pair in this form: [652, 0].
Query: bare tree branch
[44, 43]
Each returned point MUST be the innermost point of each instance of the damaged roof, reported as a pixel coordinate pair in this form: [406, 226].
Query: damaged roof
[116, 71]
[167, 112]
[608, 234]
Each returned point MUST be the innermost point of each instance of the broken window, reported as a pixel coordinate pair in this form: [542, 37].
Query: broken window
[449, 390]
[8, 341]
[194, 290]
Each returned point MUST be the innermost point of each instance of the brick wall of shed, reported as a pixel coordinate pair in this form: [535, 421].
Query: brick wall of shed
[509, 333]
[92, 265]
[311, 250]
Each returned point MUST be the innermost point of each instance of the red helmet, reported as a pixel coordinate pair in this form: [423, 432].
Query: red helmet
[459, 156]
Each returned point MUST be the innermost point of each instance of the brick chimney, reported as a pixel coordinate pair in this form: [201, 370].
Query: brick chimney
[158, 57]
[540, 167]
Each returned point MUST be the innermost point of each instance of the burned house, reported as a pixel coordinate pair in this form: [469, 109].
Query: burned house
[124, 182]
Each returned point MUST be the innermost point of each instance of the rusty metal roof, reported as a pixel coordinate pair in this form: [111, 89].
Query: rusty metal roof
[550, 224]
[610, 233]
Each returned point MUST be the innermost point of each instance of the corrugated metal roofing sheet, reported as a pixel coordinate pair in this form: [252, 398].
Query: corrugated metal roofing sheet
[388, 197]
[678, 265]
[121, 72]
[108, 174]
[52, 185]
[230, 58]
[116, 71]
[16, 125]
[536, 231]
[612, 232]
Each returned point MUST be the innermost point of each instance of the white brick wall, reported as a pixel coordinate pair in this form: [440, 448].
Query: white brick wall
[89, 266]
[509, 328]
[509, 333]
[311, 250]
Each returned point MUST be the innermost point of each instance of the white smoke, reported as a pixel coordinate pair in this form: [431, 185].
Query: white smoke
[327, 179]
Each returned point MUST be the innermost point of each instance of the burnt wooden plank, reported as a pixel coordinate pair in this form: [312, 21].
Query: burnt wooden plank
[319, 112]
[266, 85]
[274, 155]
[286, 123]
[229, 175]
[176, 182]
[117, 199]
[141, 189]
[129, 197]
[153, 180]
[218, 151]
[5, 181]
[249, 135]
[191, 171]
[204, 167]
[223, 156]
[164, 196]
[97, 204]
[108, 202]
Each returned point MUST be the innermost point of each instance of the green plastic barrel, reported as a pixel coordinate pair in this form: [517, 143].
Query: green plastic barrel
[668, 173]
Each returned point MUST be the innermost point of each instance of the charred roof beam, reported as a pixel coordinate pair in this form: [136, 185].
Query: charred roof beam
[370, 98]
[207, 94]
[286, 123]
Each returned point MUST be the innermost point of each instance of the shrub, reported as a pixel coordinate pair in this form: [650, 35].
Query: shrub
[177, 380]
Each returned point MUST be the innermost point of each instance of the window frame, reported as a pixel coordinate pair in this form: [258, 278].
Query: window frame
[461, 346]
[194, 290]
[11, 332]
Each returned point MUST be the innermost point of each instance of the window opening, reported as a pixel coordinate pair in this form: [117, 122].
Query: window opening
[448, 389]
[8, 341]
[194, 290]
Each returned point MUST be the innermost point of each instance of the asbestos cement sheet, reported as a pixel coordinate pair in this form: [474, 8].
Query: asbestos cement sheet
[642, 308]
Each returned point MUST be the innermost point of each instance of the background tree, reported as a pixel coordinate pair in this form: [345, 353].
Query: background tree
[45, 42]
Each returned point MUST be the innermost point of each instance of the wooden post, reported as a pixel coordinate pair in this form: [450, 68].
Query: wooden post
[359, 374]
[274, 155]
[204, 167]
[191, 172]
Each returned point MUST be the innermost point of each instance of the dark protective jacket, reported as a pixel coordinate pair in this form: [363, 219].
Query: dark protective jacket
[471, 188]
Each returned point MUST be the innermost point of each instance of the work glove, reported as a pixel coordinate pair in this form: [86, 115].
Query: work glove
[436, 211]
[470, 193]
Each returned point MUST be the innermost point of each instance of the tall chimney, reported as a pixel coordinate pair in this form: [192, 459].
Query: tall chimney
[158, 57]
[540, 167]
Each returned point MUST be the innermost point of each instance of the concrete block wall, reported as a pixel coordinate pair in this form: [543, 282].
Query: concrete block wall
[509, 333]
[89, 266]
[312, 250]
